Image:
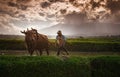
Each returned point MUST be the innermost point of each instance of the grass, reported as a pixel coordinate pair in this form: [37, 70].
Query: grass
[78, 44]
[92, 63]
[52, 66]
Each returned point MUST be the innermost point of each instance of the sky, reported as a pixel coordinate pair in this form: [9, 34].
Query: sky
[17, 15]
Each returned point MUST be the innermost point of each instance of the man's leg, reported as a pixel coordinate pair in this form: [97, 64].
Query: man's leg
[65, 50]
[58, 52]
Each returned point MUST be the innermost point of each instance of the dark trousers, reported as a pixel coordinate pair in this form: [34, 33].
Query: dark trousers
[62, 48]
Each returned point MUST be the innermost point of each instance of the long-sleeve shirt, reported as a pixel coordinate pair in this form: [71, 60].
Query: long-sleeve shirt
[60, 40]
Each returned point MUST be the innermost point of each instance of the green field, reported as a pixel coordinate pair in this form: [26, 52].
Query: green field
[64, 66]
[89, 57]
[79, 44]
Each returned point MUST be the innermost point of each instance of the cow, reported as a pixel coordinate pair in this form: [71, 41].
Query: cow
[35, 41]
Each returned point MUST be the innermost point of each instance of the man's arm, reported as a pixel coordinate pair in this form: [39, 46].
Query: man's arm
[56, 40]
[64, 38]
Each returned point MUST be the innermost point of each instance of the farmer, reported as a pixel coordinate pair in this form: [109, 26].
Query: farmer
[60, 42]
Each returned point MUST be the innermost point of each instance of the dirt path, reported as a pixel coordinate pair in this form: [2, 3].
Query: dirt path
[73, 53]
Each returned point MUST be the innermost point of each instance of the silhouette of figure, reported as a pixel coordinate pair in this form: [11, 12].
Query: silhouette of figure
[60, 42]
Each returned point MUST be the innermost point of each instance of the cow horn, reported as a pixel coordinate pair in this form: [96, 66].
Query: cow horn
[23, 31]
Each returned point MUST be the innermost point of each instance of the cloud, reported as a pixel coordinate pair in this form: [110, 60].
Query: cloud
[12, 4]
[45, 4]
[113, 5]
[5, 9]
[63, 11]
[52, 1]
[6, 27]
[31, 9]
[34, 12]
[75, 18]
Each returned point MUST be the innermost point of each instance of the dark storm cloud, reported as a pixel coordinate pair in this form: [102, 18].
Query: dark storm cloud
[12, 10]
[113, 5]
[75, 18]
[19, 4]
[115, 17]
[12, 4]
[71, 1]
[63, 11]
[94, 4]
[74, 2]
[70, 11]
[22, 7]
[41, 14]
[85, 5]
[11, 7]
[56, 0]
[21, 15]
[45, 4]
[23, 1]
[7, 10]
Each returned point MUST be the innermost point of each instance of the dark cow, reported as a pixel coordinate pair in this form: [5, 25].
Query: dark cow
[36, 41]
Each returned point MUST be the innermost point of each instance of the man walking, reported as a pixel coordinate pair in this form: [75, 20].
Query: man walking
[60, 42]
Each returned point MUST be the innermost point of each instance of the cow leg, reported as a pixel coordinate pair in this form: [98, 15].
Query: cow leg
[47, 51]
[31, 53]
[40, 52]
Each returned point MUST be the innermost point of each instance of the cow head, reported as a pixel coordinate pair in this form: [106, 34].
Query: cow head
[29, 34]
[34, 31]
